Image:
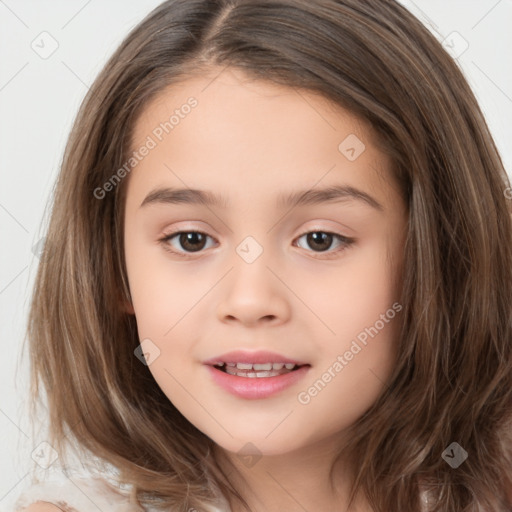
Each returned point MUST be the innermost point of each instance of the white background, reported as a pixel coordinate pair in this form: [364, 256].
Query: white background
[40, 97]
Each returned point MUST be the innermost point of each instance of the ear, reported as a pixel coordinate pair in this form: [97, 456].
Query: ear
[127, 307]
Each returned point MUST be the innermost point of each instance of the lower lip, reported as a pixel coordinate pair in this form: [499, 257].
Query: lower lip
[256, 387]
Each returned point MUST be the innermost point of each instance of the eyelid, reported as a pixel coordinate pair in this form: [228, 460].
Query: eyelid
[345, 242]
[309, 229]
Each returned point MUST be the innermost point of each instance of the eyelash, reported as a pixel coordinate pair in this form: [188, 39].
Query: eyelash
[345, 241]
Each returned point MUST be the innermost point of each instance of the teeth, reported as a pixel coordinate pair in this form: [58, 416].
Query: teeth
[266, 366]
[262, 366]
[245, 373]
[257, 370]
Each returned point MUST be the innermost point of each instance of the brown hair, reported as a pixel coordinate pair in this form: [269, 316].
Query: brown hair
[453, 379]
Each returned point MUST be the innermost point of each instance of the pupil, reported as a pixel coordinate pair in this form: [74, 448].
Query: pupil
[194, 241]
[189, 241]
[317, 237]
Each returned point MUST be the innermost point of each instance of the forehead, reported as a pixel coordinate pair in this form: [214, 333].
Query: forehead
[241, 129]
[231, 95]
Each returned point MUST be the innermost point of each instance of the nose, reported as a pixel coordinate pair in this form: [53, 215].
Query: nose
[252, 294]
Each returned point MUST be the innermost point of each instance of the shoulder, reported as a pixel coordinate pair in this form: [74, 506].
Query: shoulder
[73, 494]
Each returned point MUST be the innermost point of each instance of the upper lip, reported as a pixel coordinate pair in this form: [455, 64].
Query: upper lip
[257, 357]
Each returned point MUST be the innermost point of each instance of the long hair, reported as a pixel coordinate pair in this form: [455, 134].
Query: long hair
[452, 382]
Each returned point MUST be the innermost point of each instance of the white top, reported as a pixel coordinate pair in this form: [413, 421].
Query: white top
[86, 494]
[81, 495]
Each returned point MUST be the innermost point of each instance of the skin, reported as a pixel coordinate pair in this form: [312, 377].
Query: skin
[252, 140]
[42, 506]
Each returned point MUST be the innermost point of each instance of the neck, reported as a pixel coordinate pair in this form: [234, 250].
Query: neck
[293, 481]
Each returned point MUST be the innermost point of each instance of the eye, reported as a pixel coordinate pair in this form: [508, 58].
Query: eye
[190, 241]
[322, 241]
[195, 241]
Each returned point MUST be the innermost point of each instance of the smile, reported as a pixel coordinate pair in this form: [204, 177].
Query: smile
[251, 381]
[263, 370]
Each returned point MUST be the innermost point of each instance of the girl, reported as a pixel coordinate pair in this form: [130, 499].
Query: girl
[340, 338]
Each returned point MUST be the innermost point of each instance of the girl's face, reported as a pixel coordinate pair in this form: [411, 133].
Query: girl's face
[314, 281]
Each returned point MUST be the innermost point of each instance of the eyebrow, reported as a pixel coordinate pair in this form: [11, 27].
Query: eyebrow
[333, 193]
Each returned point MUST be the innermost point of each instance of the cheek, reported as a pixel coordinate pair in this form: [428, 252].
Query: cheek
[162, 299]
[162, 291]
[357, 360]
[356, 303]
[352, 295]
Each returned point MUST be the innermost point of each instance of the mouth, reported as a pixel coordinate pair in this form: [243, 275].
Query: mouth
[256, 381]
[258, 371]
